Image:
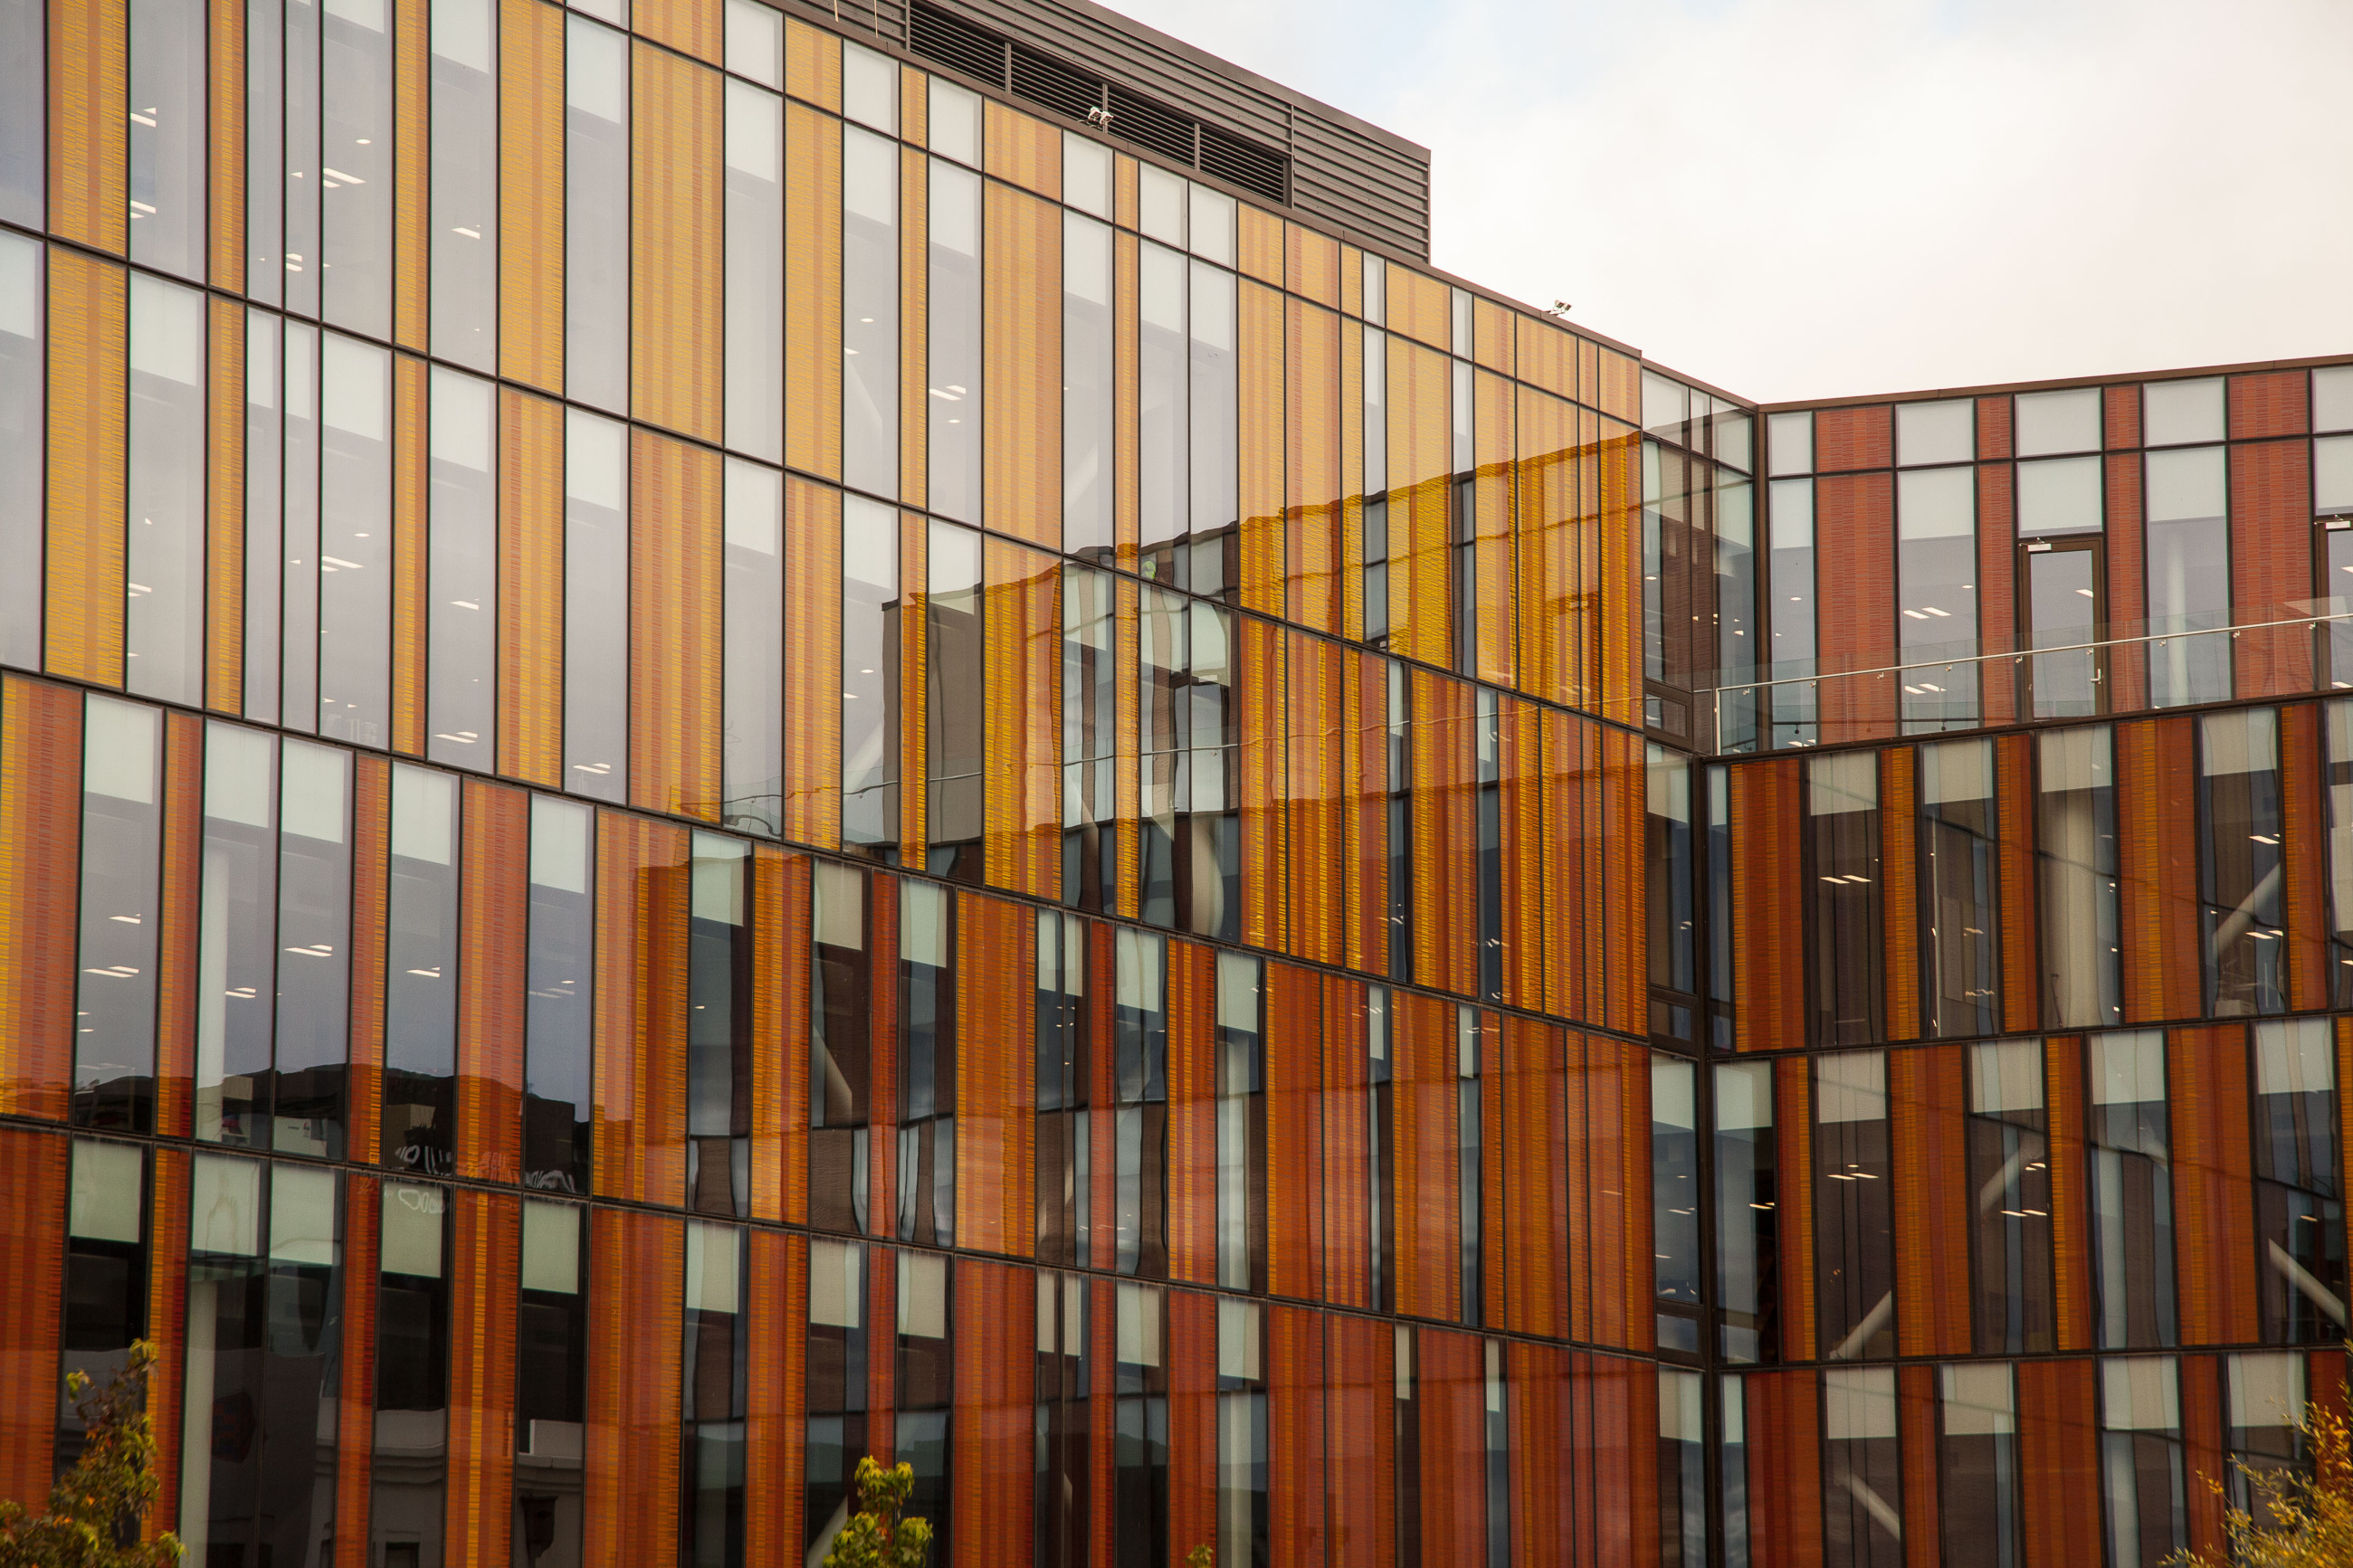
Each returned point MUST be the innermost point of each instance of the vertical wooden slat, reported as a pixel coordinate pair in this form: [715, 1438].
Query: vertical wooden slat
[996, 1092]
[1900, 936]
[90, 73]
[1924, 1545]
[1360, 1401]
[2070, 1206]
[531, 587]
[1192, 1421]
[89, 324]
[642, 883]
[33, 1171]
[2157, 833]
[412, 166]
[696, 27]
[776, 1398]
[355, 1405]
[225, 70]
[2019, 901]
[409, 552]
[167, 1326]
[675, 598]
[813, 669]
[1785, 1470]
[1313, 265]
[812, 65]
[813, 284]
[1260, 376]
[1192, 1115]
[2213, 1184]
[225, 513]
[2305, 827]
[493, 918]
[2204, 1456]
[1768, 979]
[371, 885]
[637, 1283]
[1793, 1122]
[1295, 1126]
[1345, 1189]
[676, 222]
[531, 198]
[2059, 1463]
[1310, 556]
[992, 1436]
[485, 1255]
[1540, 1442]
[1534, 1155]
[1023, 149]
[176, 945]
[1427, 1166]
[780, 1008]
[1258, 673]
[1021, 790]
[1021, 376]
[1615, 577]
[1926, 1100]
[2127, 672]
[1449, 1398]
[40, 847]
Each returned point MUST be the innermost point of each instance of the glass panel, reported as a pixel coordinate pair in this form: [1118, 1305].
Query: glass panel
[1161, 205]
[954, 340]
[597, 215]
[2140, 1461]
[1958, 916]
[596, 607]
[1862, 1498]
[121, 846]
[22, 428]
[927, 1064]
[1789, 617]
[1843, 834]
[168, 136]
[870, 87]
[870, 675]
[550, 1384]
[2009, 1175]
[1789, 443]
[1140, 1434]
[265, 431]
[1674, 1200]
[2188, 575]
[713, 1405]
[755, 267]
[355, 542]
[1216, 401]
[2062, 495]
[1240, 1072]
[752, 739]
[1936, 595]
[835, 1372]
[1213, 225]
[719, 935]
[870, 312]
[465, 250]
[2063, 606]
[755, 45]
[2174, 413]
[2299, 1208]
[412, 1377]
[2076, 851]
[1978, 1462]
[2241, 864]
[1747, 1251]
[1140, 1077]
[24, 100]
[1087, 400]
[2132, 1191]
[1086, 175]
[559, 995]
[314, 938]
[2066, 421]
[1089, 736]
[954, 744]
[1242, 1523]
[355, 164]
[236, 974]
[463, 573]
[104, 1300]
[298, 542]
[1854, 1234]
[163, 621]
[926, 1384]
[2332, 397]
[421, 984]
[1943, 432]
[1164, 452]
[954, 124]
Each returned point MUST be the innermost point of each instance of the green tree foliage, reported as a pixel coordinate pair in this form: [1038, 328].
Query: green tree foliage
[95, 1507]
[2299, 1519]
[876, 1536]
[1202, 1556]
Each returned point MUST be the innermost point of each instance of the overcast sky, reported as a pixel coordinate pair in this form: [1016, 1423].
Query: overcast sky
[1804, 199]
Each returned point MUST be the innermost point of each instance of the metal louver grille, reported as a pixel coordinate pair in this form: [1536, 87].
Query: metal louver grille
[1147, 124]
[1243, 163]
[1066, 90]
[956, 43]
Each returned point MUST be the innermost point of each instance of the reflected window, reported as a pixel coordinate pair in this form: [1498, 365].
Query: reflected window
[871, 604]
[121, 849]
[163, 613]
[2299, 1194]
[926, 1384]
[841, 1066]
[2010, 1184]
[1854, 1208]
[463, 573]
[1242, 1501]
[550, 1384]
[1674, 1203]
[1747, 1207]
[596, 187]
[559, 995]
[2240, 863]
[1843, 834]
[751, 742]
[713, 1401]
[420, 1029]
[927, 1064]
[1863, 1480]
[2189, 568]
[1140, 1082]
[1959, 919]
[1140, 1438]
[465, 223]
[2076, 877]
[2140, 1460]
[596, 605]
[836, 1379]
[103, 1307]
[869, 309]
[1977, 1460]
[719, 938]
[2130, 1136]
[1065, 1076]
[412, 1376]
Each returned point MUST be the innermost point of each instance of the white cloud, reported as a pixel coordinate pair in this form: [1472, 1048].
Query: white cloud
[1796, 198]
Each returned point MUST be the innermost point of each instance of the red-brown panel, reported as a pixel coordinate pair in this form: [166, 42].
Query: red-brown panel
[2308, 892]
[1900, 923]
[1450, 1398]
[642, 886]
[1769, 976]
[2127, 609]
[1997, 591]
[2203, 1455]
[167, 1326]
[1294, 1422]
[493, 918]
[882, 1370]
[1785, 1470]
[33, 1172]
[2069, 1209]
[371, 887]
[2271, 563]
[1926, 1091]
[1261, 755]
[356, 1407]
[2213, 1184]
[1534, 1156]
[1103, 1347]
[996, 1091]
[1993, 427]
[1428, 1164]
[486, 1233]
[1525, 828]
[780, 1009]
[638, 1283]
[996, 1393]
[1294, 1131]
[1562, 866]
[1618, 1249]
[40, 849]
[1345, 1188]
[1360, 1396]
[2121, 416]
[1916, 1417]
[776, 1396]
[2059, 1462]
[1854, 525]
[1793, 1122]
[2268, 403]
[175, 968]
[2022, 1003]
[1192, 1114]
[1542, 1444]
[1850, 438]
[2156, 836]
[1316, 791]
[1192, 1422]
[1623, 1443]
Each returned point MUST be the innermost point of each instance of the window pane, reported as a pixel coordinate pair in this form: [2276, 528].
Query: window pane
[2132, 1191]
[465, 251]
[752, 745]
[595, 606]
[1087, 393]
[164, 629]
[2058, 422]
[1854, 1235]
[355, 164]
[2240, 863]
[2061, 495]
[23, 432]
[354, 559]
[755, 278]
[870, 312]
[121, 843]
[2188, 575]
[1957, 915]
[597, 215]
[168, 135]
[2176, 412]
[421, 1033]
[954, 342]
[1943, 432]
[463, 573]
[559, 995]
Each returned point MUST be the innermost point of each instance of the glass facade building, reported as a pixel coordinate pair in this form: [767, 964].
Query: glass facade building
[733, 735]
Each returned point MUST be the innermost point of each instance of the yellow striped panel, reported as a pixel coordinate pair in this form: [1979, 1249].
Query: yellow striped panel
[88, 366]
[1021, 295]
[531, 194]
[676, 225]
[812, 289]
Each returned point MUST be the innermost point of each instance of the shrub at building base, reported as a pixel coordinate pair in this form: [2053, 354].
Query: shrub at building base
[2298, 1519]
[94, 1509]
[876, 1536]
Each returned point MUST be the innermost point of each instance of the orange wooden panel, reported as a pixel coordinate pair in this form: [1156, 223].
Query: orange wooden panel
[813, 666]
[355, 1407]
[1617, 1133]
[530, 588]
[1295, 1432]
[1624, 802]
[1443, 825]
[1419, 477]
[1315, 786]
[690, 26]
[2022, 1001]
[914, 684]
[408, 586]
[642, 885]
[531, 199]
[1541, 1441]
[1021, 797]
[1263, 435]
[1562, 890]
[1294, 1131]
[676, 221]
[1927, 1101]
[2059, 1463]
[1312, 466]
[675, 561]
[1192, 1420]
[813, 281]
[1021, 376]
[1312, 265]
[485, 1258]
[637, 1267]
[1345, 1189]
[1534, 1242]
[914, 108]
[1619, 379]
[1023, 149]
[2127, 671]
[371, 890]
[2204, 1459]
[1623, 1443]
[1261, 676]
[33, 1171]
[1419, 306]
[1193, 1115]
[2213, 1184]
[167, 1328]
[1918, 1443]
[89, 324]
[1426, 1158]
[2070, 1206]
[1363, 825]
[1497, 640]
[1858, 438]
[225, 511]
[1495, 1271]
[40, 849]
[780, 1010]
[1785, 1470]
[914, 317]
[2271, 563]
[1352, 281]
[176, 945]
[1614, 574]
[1854, 521]
[2306, 828]
[991, 1473]
[1450, 1398]
[90, 72]
[1793, 1122]
[226, 69]
[2157, 845]
[882, 1370]
[1360, 1404]
[412, 164]
[997, 1076]
[1548, 356]
[775, 1397]
[1550, 611]
[493, 917]
[1259, 244]
[1525, 828]
[812, 64]
[1900, 935]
